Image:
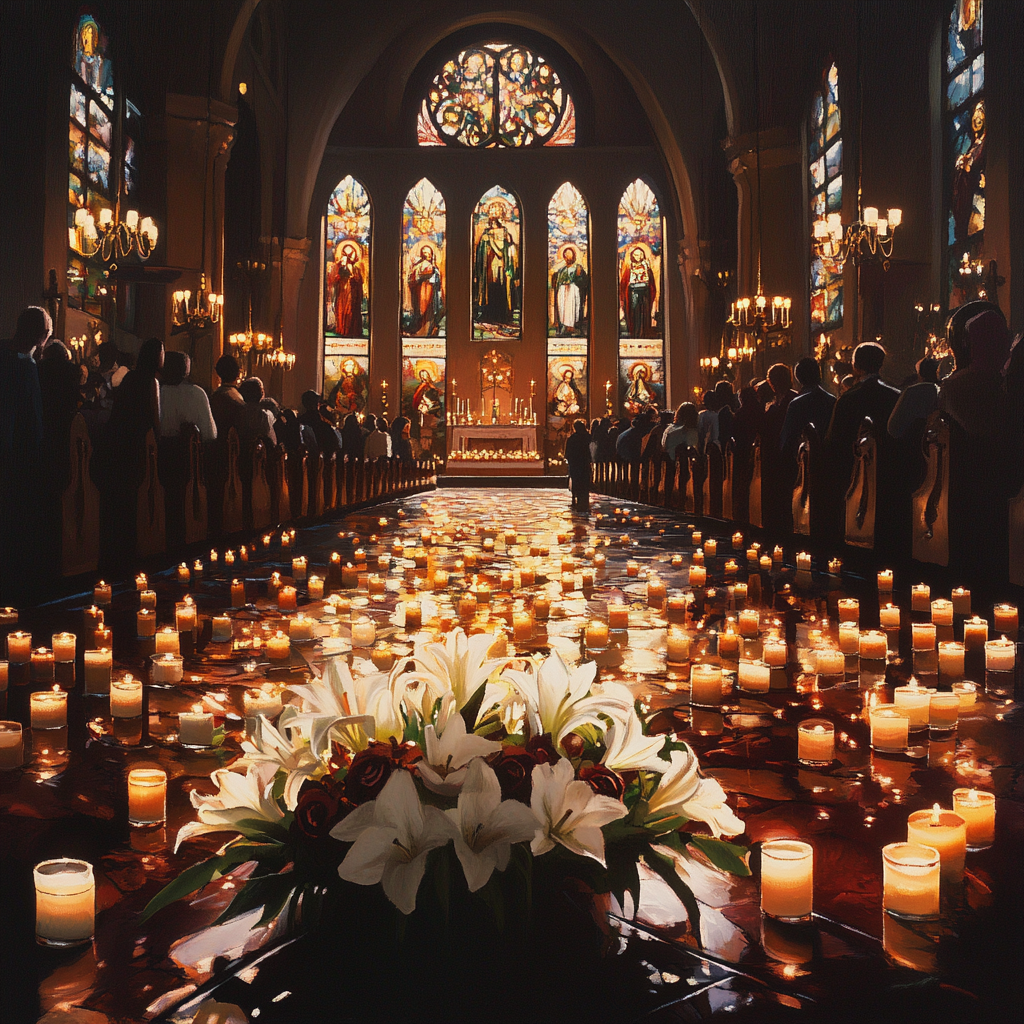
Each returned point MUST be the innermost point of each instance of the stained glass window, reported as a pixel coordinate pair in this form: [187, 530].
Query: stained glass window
[493, 95]
[497, 267]
[965, 127]
[825, 164]
[424, 352]
[641, 321]
[347, 239]
[91, 188]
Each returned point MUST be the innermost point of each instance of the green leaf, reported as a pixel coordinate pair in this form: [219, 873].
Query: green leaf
[471, 709]
[666, 867]
[268, 891]
[270, 831]
[218, 736]
[413, 729]
[725, 856]
[188, 881]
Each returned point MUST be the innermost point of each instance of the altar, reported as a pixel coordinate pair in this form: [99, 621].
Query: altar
[505, 449]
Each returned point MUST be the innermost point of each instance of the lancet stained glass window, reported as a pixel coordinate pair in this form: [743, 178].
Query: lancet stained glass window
[497, 267]
[347, 239]
[964, 78]
[497, 94]
[825, 162]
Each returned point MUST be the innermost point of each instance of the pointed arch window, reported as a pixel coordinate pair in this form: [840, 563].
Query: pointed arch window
[424, 317]
[497, 267]
[964, 80]
[641, 320]
[825, 187]
[348, 225]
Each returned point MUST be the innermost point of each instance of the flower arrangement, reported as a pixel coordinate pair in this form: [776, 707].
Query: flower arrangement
[457, 750]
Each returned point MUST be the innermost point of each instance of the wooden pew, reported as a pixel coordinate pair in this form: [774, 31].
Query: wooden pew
[261, 510]
[930, 502]
[80, 507]
[298, 481]
[713, 502]
[195, 506]
[728, 481]
[329, 481]
[150, 511]
[316, 485]
[696, 477]
[862, 494]
[754, 491]
[232, 520]
[802, 497]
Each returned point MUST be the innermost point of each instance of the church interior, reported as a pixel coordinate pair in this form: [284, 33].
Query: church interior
[511, 512]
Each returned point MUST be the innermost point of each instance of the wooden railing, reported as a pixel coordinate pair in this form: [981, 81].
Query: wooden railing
[259, 486]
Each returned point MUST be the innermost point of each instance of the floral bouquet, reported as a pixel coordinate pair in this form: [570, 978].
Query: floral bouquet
[460, 749]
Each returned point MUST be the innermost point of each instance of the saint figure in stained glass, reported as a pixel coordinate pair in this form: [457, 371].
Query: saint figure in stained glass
[423, 262]
[347, 261]
[497, 291]
[968, 202]
[640, 245]
[568, 264]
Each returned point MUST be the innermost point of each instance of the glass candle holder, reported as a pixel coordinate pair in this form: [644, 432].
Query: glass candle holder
[12, 745]
[910, 881]
[951, 661]
[889, 617]
[978, 809]
[126, 697]
[872, 645]
[943, 712]
[1005, 620]
[787, 880]
[102, 593]
[195, 728]
[185, 618]
[364, 632]
[656, 593]
[961, 601]
[64, 647]
[279, 646]
[920, 597]
[168, 641]
[885, 580]
[65, 902]
[890, 728]
[315, 588]
[915, 702]
[92, 617]
[522, 625]
[48, 709]
[145, 623]
[147, 797]
[748, 622]
[301, 628]
[849, 638]
[698, 576]
[147, 599]
[975, 633]
[677, 646]
[262, 700]
[596, 635]
[923, 636]
[753, 676]
[967, 691]
[944, 831]
[706, 685]
[942, 612]
[299, 566]
[816, 742]
[287, 600]
[849, 609]
[618, 615]
[829, 662]
[775, 652]
[220, 628]
[166, 669]
[42, 665]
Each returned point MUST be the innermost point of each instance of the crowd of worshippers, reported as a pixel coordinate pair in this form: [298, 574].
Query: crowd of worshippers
[122, 397]
[982, 398]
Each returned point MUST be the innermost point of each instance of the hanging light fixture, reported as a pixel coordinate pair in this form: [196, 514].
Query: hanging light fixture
[112, 238]
[756, 321]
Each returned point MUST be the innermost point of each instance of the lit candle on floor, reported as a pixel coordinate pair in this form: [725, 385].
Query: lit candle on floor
[944, 831]
[301, 628]
[656, 593]
[765, 563]
[195, 728]
[299, 567]
[315, 588]
[922, 635]
[467, 606]
[803, 561]
[413, 616]
[48, 709]
[849, 609]
[885, 581]
[889, 617]
[364, 632]
[967, 692]
[829, 662]
[64, 645]
[749, 622]
[167, 669]
[942, 612]
[168, 641]
[92, 617]
[1004, 619]
[754, 676]
[383, 656]
[910, 881]
[872, 645]
[147, 599]
[775, 652]
[816, 741]
[65, 902]
[221, 629]
[740, 591]
[951, 660]
[237, 594]
[1000, 655]
[279, 646]
[890, 728]
[97, 670]
[729, 641]
[12, 745]
[961, 601]
[943, 712]
[632, 568]
[102, 593]
[920, 597]
[777, 554]
[706, 685]
[698, 576]
[710, 548]
[287, 599]
[541, 608]
[183, 574]
[975, 633]
[349, 576]
[978, 809]
[19, 648]
[42, 665]
[596, 636]
[787, 879]
[618, 615]
[185, 616]
[737, 541]
[677, 646]
[696, 538]
[141, 582]
[753, 555]
[197, 569]
[262, 700]
[522, 625]
[126, 697]
[147, 797]
[849, 637]
[915, 701]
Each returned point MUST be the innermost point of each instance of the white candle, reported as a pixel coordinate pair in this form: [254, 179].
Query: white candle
[816, 741]
[49, 709]
[849, 637]
[951, 660]
[787, 879]
[849, 609]
[872, 645]
[774, 652]
[754, 676]
[168, 641]
[889, 617]
[195, 728]
[706, 685]
[185, 616]
[829, 662]
[943, 712]
[279, 646]
[961, 601]
[262, 700]
[19, 648]
[65, 902]
[915, 701]
[920, 597]
[147, 797]
[64, 645]
[890, 728]
[749, 622]
[1000, 655]
[677, 646]
[221, 629]
[364, 632]
[942, 612]
[1004, 619]
[910, 881]
[729, 641]
[978, 809]
[12, 745]
[803, 561]
[315, 588]
[944, 831]
[885, 581]
[126, 697]
[166, 668]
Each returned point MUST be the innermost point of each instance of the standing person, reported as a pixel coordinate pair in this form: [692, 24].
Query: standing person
[181, 401]
[401, 445]
[378, 444]
[577, 459]
[226, 403]
[726, 397]
[776, 473]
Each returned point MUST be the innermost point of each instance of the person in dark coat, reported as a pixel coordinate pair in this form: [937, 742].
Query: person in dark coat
[813, 405]
[577, 459]
[401, 443]
[353, 442]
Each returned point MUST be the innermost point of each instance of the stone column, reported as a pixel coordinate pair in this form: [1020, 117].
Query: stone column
[306, 348]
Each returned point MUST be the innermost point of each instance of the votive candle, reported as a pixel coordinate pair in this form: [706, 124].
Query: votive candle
[237, 594]
[749, 622]
[167, 668]
[195, 728]
[967, 692]
[221, 629]
[978, 809]
[618, 615]
[279, 646]
[12, 745]
[706, 685]
[185, 616]
[951, 660]
[19, 648]
[262, 700]
[787, 879]
[889, 617]
[961, 601]
[102, 593]
[944, 831]
[315, 588]
[754, 676]
[885, 578]
[364, 632]
[300, 628]
[1000, 655]
[1004, 619]
[42, 665]
[803, 561]
[698, 576]
[147, 599]
[299, 567]
[65, 902]
[737, 541]
[147, 797]
[849, 637]
[126, 697]
[145, 622]
[942, 612]
[48, 709]
[849, 609]
[677, 645]
[522, 625]
[98, 665]
[287, 599]
[872, 645]
[596, 636]
[168, 641]
[890, 728]
[920, 597]
[816, 741]
[943, 712]
[975, 633]
[915, 702]
[829, 662]
[910, 881]
[775, 652]
[922, 635]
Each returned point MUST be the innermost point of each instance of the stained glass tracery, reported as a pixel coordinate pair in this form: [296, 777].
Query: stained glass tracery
[965, 125]
[825, 167]
[496, 95]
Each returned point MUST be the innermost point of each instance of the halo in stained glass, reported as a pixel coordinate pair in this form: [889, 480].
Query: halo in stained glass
[496, 95]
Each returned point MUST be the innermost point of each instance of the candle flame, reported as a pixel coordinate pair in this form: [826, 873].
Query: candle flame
[56, 688]
[935, 814]
[973, 796]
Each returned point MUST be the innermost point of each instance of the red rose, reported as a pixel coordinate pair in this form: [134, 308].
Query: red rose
[371, 768]
[514, 768]
[573, 745]
[603, 781]
[541, 749]
[320, 807]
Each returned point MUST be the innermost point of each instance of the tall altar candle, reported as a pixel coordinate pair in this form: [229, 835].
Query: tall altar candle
[65, 902]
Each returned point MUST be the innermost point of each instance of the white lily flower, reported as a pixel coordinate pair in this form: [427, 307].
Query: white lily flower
[683, 791]
[460, 664]
[447, 758]
[391, 838]
[238, 797]
[485, 827]
[267, 745]
[628, 749]
[570, 812]
[560, 700]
